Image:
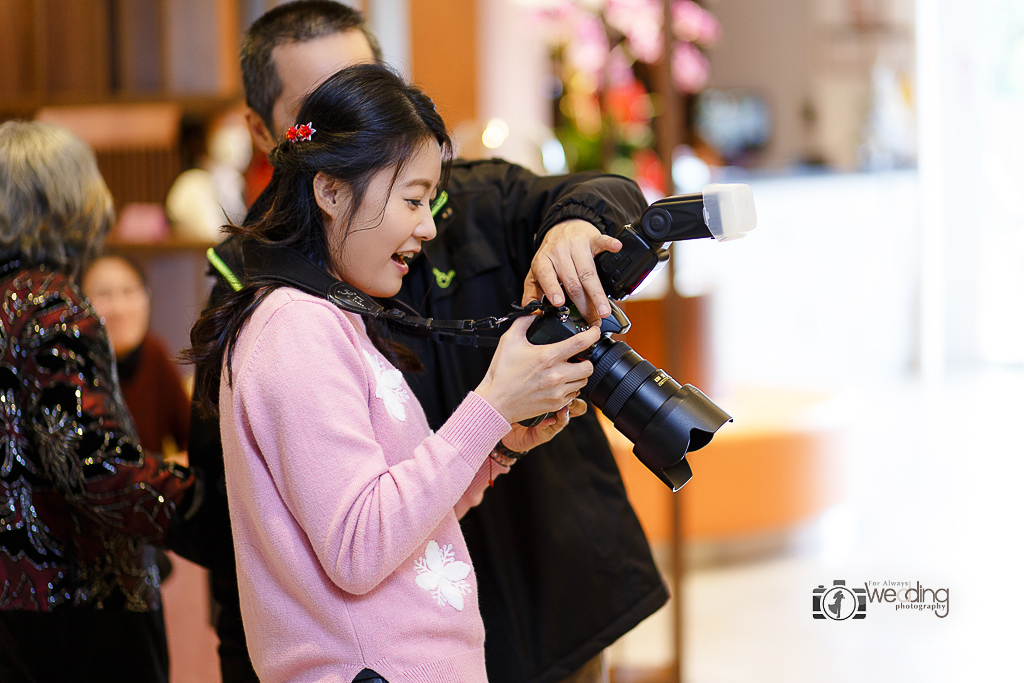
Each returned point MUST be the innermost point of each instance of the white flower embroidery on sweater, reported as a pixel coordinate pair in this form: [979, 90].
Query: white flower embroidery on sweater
[389, 386]
[444, 576]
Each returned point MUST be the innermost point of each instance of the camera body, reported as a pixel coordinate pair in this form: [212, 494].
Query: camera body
[664, 419]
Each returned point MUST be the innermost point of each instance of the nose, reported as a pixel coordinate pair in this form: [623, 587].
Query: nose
[426, 230]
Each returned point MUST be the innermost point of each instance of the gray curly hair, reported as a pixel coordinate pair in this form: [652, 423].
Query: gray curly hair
[54, 206]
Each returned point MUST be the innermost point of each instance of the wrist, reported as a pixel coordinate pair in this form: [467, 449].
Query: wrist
[504, 450]
[488, 392]
[505, 456]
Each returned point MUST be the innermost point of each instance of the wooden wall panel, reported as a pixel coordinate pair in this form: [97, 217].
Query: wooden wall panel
[17, 48]
[201, 47]
[443, 34]
[139, 175]
[77, 40]
[140, 44]
[229, 37]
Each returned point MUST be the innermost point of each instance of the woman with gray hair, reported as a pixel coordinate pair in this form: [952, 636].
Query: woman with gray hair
[80, 502]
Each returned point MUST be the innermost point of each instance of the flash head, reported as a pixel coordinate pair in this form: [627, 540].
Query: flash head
[723, 211]
[729, 210]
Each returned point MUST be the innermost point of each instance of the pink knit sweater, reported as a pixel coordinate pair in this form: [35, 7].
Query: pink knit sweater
[343, 505]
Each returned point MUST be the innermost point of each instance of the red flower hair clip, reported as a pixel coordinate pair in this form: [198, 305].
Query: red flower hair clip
[300, 133]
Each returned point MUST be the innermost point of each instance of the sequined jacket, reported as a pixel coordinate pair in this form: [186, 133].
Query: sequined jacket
[79, 499]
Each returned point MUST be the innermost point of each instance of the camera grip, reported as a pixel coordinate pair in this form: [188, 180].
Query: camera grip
[534, 421]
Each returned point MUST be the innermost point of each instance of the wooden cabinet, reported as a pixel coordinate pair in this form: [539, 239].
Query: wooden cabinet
[87, 51]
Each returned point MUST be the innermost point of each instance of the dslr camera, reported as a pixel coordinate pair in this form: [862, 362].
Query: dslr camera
[663, 419]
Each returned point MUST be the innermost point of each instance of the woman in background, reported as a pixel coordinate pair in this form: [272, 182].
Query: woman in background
[149, 379]
[80, 501]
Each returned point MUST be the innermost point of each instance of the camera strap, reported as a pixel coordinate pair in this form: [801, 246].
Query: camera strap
[292, 268]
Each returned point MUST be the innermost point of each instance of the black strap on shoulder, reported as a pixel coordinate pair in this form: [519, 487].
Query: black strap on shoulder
[291, 268]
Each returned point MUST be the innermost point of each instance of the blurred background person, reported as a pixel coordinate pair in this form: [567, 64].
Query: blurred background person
[80, 500]
[150, 383]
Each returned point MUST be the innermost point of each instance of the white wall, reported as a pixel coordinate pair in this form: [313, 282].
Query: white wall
[823, 293]
[971, 150]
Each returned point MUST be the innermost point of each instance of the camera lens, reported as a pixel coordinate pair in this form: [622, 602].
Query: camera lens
[662, 418]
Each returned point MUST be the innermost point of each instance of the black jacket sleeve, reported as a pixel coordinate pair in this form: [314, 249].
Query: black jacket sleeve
[523, 206]
[205, 538]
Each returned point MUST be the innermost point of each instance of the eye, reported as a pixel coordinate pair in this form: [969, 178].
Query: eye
[415, 203]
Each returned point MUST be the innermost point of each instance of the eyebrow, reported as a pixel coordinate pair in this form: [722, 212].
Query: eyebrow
[424, 182]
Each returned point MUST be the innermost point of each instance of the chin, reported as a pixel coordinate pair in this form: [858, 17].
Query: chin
[383, 291]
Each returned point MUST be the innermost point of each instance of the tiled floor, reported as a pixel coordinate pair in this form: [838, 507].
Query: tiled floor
[935, 472]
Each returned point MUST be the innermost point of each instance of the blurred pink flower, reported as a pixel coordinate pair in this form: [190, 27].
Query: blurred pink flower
[690, 68]
[555, 24]
[693, 23]
[640, 22]
[588, 49]
[620, 68]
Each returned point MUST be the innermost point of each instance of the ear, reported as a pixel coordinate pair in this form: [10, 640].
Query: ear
[332, 196]
[261, 135]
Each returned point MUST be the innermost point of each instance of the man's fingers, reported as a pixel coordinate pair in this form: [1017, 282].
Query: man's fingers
[591, 286]
[544, 272]
[605, 243]
[531, 291]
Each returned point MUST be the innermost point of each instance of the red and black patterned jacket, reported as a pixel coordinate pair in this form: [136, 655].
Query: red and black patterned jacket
[80, 501]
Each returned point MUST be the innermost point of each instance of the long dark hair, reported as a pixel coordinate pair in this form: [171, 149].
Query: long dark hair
[367, 120]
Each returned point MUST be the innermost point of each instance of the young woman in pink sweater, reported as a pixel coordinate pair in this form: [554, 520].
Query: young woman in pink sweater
[344, 506]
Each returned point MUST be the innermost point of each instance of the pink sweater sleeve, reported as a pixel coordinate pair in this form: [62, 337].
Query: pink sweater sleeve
[304, 394]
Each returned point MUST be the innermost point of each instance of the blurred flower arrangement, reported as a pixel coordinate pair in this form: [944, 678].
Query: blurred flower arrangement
[602, 54]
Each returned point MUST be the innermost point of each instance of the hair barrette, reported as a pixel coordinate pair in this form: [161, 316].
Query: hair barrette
[300, 133]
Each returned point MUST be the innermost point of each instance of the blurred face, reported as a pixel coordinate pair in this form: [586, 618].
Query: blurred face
[387, 229]
[301, 68]
[121, 300]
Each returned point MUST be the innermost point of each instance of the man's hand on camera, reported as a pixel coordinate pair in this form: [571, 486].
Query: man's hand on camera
[566, 260]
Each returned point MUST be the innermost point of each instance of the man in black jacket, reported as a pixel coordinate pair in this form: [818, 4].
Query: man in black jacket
[562, 564]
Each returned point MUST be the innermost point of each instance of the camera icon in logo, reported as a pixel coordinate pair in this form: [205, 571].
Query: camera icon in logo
[839, 602]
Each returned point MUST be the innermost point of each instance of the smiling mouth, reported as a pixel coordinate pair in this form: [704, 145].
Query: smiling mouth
[402, 257]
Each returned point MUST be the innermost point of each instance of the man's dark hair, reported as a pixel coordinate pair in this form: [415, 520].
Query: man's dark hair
[293, 22]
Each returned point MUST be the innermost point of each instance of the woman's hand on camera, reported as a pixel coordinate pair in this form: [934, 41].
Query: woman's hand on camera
[525, 380]
[522, 439]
